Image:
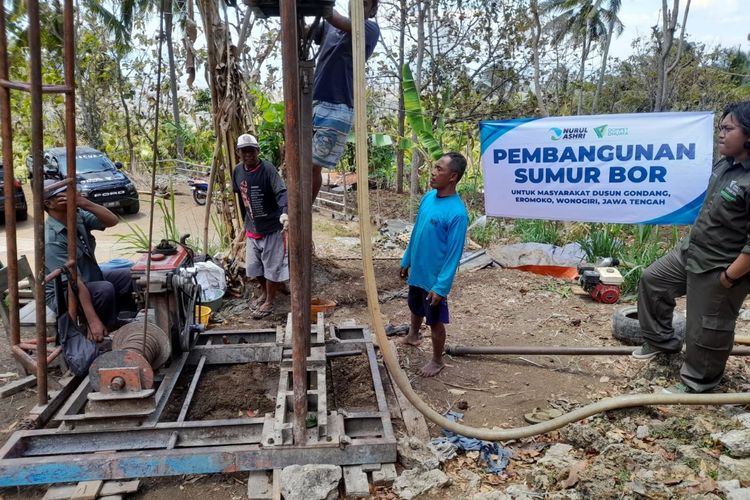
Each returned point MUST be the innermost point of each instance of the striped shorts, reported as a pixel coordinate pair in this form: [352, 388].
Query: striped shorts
[331, 126]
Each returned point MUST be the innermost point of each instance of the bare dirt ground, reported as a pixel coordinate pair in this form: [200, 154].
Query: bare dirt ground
[614, 457]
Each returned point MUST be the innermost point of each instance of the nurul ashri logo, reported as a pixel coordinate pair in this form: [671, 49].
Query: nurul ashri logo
[556, 133]
[600, 131]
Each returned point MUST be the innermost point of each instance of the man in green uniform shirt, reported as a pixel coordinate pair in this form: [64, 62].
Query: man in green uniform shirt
[709, 266]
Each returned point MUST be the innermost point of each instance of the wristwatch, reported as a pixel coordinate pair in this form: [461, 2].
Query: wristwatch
[733, 281]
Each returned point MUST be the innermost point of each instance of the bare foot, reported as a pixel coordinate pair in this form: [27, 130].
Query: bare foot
[431, 369]
[412, 340]
[258, 302]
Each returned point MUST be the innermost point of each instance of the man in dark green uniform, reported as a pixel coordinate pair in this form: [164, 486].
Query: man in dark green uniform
[709, 266]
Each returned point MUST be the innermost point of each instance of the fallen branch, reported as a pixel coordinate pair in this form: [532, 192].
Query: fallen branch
[478, 389]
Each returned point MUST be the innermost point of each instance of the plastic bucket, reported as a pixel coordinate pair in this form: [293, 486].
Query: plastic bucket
[202, 313]
[116, 264]
[212, 297]
[320, 305]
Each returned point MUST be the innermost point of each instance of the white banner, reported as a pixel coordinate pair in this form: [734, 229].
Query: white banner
[649, 168]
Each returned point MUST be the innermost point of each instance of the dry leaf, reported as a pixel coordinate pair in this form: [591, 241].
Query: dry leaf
[457, 392]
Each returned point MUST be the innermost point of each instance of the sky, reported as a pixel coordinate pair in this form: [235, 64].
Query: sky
[713, 22]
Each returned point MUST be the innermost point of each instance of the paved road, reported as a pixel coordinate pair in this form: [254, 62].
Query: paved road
[189, 220]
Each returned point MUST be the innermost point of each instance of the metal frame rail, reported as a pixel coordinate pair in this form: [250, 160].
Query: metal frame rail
[81, 448]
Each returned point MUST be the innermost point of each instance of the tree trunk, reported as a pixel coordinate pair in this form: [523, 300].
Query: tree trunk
[126, 111]
[168, 25]
[603, 69]
[663, 68]
[401, 111]
[581, 77]
[537, 34]
[414, 190]
[229, 105]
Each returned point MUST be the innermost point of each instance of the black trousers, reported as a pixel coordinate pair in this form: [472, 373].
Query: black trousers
[112, 296]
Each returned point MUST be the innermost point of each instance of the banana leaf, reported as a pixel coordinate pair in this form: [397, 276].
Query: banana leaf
[415, 116]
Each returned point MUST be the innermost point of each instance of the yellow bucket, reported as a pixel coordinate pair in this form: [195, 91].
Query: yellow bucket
[202, 313]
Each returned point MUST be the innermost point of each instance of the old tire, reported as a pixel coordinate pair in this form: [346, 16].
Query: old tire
[626, 329]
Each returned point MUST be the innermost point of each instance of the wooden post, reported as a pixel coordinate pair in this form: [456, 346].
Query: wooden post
[298, 244]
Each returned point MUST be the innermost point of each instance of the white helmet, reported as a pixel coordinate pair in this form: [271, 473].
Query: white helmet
[247, 141]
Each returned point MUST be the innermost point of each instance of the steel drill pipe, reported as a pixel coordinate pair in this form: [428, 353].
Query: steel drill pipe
[300, 292]
[462, 350]
[37, 143]
[6, 129]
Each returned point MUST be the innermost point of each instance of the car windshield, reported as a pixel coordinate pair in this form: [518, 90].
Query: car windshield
[88, 163]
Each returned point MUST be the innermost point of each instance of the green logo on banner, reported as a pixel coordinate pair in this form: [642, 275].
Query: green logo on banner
[600, 131]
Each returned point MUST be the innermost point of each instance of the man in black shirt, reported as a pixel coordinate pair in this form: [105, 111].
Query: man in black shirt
[333, 90]
[263, 205]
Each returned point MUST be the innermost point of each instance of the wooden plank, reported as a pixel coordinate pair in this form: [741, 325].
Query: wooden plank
[355, 482]
[260, 485]
[390, 396]
[414, 421]
[17, 386]
[120, 487]
[385, 476]
[370, 467]
[87, 490]
[109, 489]
[276, 490]
[59, 492]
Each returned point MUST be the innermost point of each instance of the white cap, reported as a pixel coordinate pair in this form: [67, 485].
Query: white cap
[247, 141]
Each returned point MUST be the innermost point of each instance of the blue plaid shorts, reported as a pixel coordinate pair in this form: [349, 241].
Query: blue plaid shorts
[331, 126]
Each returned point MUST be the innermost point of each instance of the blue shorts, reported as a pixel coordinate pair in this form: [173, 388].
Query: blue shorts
[331, 126]
[419, 305]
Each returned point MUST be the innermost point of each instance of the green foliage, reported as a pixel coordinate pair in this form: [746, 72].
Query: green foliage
[602, 240]
[560, 289]
[269, 125]
[644, 246]
[538, 231]
[416, 117]
[487, 233]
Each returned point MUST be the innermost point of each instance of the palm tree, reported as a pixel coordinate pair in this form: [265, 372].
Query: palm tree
[614, 27]
[121, 26]
[584, 22]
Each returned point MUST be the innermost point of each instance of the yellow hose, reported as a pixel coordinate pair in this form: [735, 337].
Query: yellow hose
[390, 358]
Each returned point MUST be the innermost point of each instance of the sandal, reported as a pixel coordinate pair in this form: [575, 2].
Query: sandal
[262, 313]
[539, 415]
[255, 304]
[391, 330]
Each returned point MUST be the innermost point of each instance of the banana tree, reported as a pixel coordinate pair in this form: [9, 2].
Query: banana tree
[422, 127]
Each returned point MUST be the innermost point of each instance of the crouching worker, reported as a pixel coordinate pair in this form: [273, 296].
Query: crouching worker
[263, 205]
[432, 256]
[710, 266]
[103, 295]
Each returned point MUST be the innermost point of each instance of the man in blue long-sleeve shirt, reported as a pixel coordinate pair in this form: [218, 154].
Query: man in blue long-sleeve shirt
[432, 256]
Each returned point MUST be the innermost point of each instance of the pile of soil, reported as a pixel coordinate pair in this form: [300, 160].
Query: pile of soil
[235, 391]
[350, 384]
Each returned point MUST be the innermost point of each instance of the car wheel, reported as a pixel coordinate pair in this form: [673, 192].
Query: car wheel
[627, 329]
[22, 215]
[133, 209]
